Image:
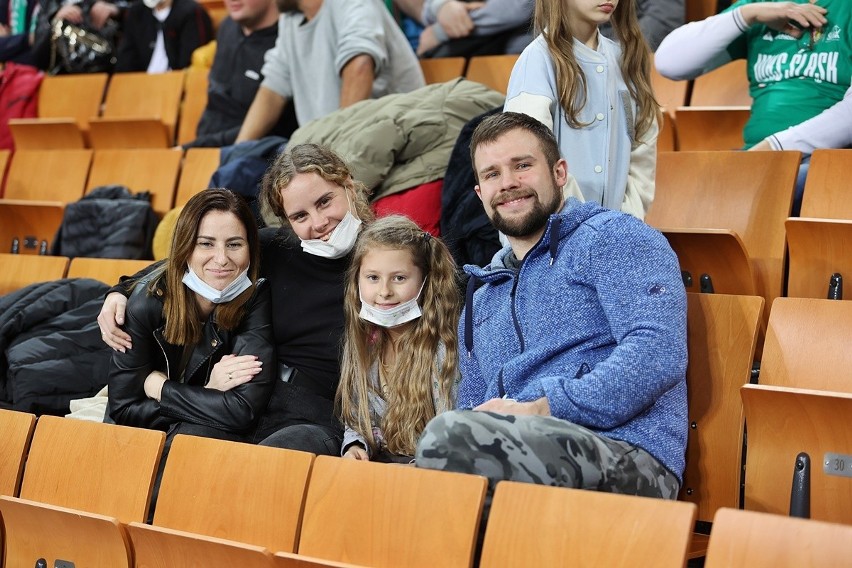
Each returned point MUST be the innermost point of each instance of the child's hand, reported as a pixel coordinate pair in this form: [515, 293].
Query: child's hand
[356, 452]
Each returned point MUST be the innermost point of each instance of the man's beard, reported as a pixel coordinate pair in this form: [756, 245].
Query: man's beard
[531, 222]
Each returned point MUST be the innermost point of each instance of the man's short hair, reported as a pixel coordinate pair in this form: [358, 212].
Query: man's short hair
[496, 125]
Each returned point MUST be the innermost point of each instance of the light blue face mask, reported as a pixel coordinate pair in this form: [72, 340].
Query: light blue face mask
[397, 315]
[240, 284]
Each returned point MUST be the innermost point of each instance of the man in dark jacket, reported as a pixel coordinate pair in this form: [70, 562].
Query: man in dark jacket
[250, 29]
[159, 36]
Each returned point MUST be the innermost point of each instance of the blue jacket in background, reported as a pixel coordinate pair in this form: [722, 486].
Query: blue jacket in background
[595, 320]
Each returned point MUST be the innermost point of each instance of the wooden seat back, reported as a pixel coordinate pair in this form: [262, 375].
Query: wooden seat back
[30, 222]
[725, 86]
[95, 467]
[441, 69]
[54, 100]
[19, 270]
[491, 70]
[748, 193]
[719, 253]
[711, 128]
[121, 133]
[153, 170]
[46, 134]
[17, 428]
[536, 525]
[670, 94]
[759, 540]
[158, 547]
[36, 530]
[107, 270]
[194, 101]
[827, 185]
[195, 173]
[48, 175]
[807, 345]
[721, 338]
[143, 95]
[265, 511]
[378, 515]
[782, 422]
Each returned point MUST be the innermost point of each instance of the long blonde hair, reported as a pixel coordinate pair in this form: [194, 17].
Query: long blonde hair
[553, 21]
[409, 397]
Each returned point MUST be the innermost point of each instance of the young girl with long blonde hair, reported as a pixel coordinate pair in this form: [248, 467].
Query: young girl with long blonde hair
[400, 355]
[595, 95]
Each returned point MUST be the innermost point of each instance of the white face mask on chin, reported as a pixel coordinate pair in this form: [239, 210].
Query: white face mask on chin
[339, 243]
[397, 315]
[240, 284]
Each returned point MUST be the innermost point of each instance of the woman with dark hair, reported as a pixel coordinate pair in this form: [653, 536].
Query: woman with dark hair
[203, 354]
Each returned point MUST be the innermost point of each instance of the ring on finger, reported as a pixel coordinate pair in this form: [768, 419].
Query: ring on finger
[230, 376]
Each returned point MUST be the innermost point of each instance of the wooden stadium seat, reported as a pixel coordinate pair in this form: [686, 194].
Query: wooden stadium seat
[491, 70]
[724, 86]
[19, 270]
[107, 270]
[31, 222]
[264, 512]
[384, 515]
[37, 530]
[194, 101]
[759, 540]
[63, 120]
[747, 193]
[721, 338]
[670, 94]
[158, 547]
[99, 468]
[806, 345]
[666, 140]
[17, 428]
[819, 241]
[48, 175]
[782, 422]
[711, 128]
[290, 560]
[195, 173]
[138, 99]
[153, 170]
[536, 525]
[46, 134]
[700, 9]
[719, 253]
[441, 69]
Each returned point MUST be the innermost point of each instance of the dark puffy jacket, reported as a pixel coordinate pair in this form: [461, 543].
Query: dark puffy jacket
[108, 222]
[51, 351]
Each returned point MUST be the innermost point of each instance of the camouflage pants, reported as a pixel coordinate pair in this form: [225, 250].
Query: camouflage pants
[543, 450]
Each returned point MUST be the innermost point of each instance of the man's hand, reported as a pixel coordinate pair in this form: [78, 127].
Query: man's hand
[71, 13]
[454, 17]
[112, 316]
[785, 16]
[538, 407]
[101, 12]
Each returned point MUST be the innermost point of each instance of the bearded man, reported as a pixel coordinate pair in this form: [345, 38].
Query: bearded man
[573, 339]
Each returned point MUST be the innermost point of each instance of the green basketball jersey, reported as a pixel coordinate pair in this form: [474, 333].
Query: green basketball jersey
[792, 80]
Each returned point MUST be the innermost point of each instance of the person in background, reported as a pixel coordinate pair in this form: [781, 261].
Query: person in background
[400, 352]
[160, 35]
[799, 70]
[243, 38]
[330, 54]
[596, 97]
